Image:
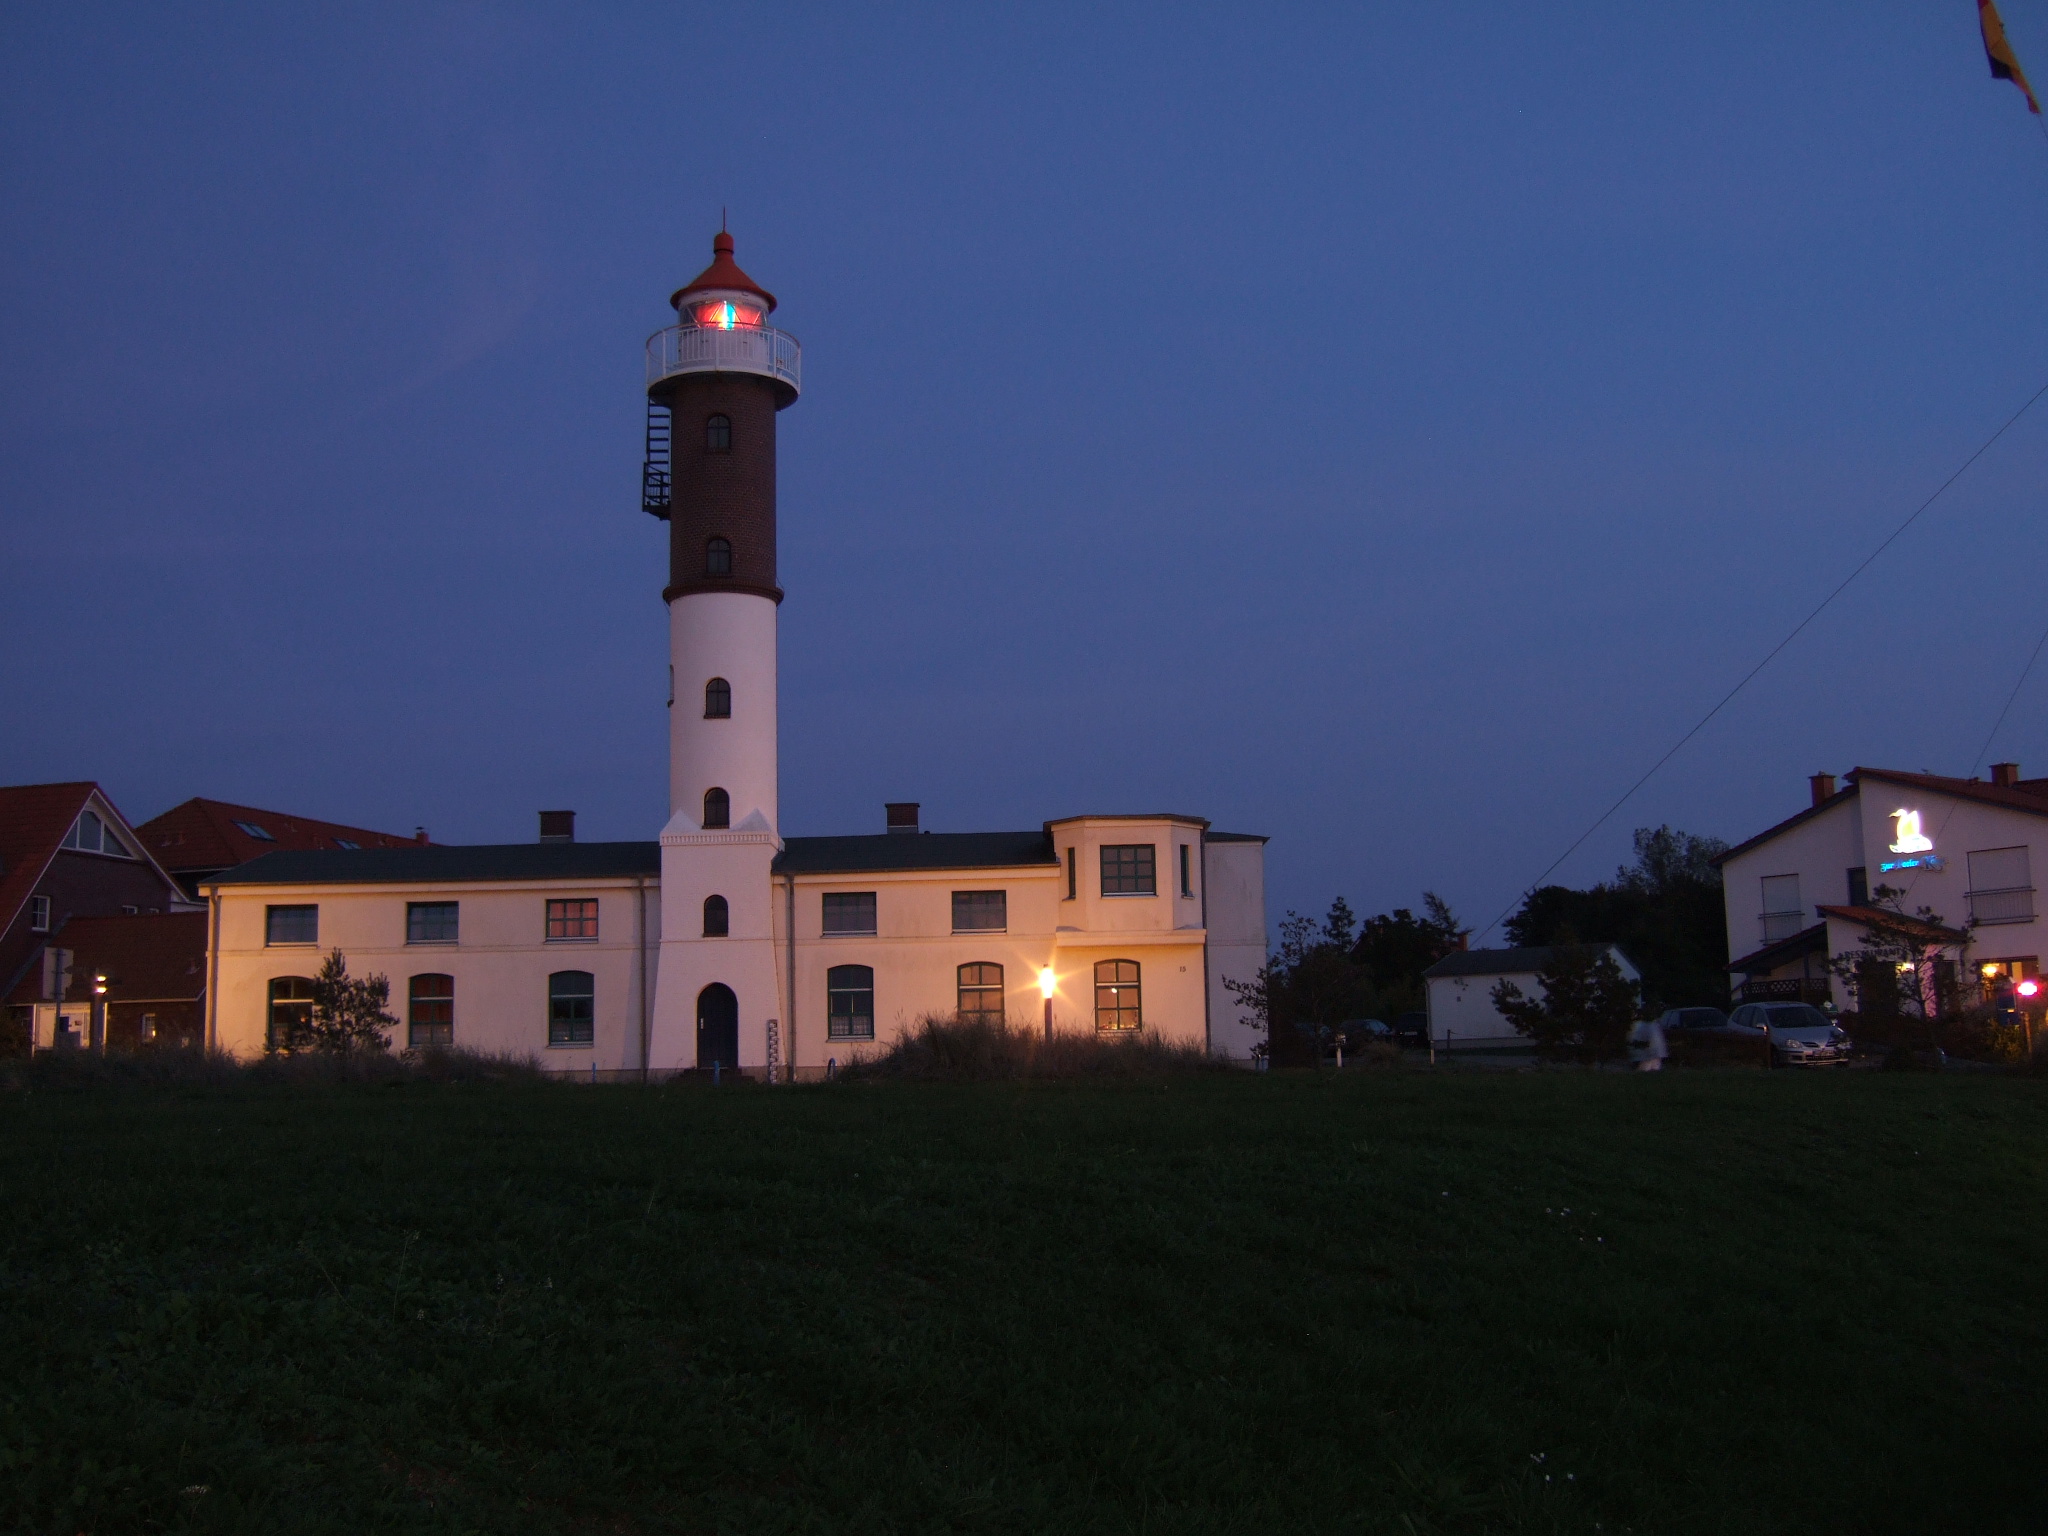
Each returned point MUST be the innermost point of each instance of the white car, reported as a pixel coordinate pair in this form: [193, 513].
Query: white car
[1800, 1035]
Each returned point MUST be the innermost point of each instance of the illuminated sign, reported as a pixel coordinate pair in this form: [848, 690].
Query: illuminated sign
[1925, 861]
[723, 316]
[1910, 838]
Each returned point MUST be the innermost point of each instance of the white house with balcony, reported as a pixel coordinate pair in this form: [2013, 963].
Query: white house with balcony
[1802, 892]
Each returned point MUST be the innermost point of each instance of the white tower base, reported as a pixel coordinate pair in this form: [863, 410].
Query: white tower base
[735, 865]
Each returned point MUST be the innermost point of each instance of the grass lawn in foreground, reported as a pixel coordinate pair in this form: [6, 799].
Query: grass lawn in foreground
[1390, 1301]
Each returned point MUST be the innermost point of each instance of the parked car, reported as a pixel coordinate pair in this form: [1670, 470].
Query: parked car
[1412, 1029]
[1676, 1020]
[1357, 1034]
[1799, 1034]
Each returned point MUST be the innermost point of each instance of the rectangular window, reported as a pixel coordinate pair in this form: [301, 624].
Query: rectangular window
[1116, 995]
[850, 1003]
[39, 914]
[981, 911]
[2001, 886]
[1859, 887]
[981, 993]
[1072, 864]
[1187, 872]
[572, 1008]
[291, 925]
[849, 912]
[1127, 870]
[1782, 915]
[575, 918]
[431, 922]
[431, 1011]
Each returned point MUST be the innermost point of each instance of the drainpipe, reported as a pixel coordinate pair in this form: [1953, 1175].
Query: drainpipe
[789, 945]
[213, 974]
[640, 939]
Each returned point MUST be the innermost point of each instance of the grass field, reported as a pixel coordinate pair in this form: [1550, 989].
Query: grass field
[1388, 1301]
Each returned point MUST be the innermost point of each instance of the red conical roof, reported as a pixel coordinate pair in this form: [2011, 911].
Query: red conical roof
[723, 272]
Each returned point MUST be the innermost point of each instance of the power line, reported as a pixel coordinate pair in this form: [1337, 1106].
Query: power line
[1772, 655]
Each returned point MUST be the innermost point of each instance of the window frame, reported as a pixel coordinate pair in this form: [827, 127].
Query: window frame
[39, 914]
[1187, 872]
[723, 910]
[717, 548]
[1116, 984]
[837, 979]
[825, 908]
[271, 914]
[441, 1001]
[1073, 873]
[417, 922]
[562, 1031]
[723, 805]
[1144, 866]
[998, 900]
[553, 916]
[981, 986]
[717, 699]
[270, 1005]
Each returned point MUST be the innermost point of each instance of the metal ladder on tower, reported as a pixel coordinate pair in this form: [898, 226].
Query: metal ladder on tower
[654, 473]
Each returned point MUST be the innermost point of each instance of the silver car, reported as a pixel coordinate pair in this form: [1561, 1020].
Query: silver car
[1800, 1035]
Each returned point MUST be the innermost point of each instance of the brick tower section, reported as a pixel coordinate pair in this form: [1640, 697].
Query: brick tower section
[722, 492]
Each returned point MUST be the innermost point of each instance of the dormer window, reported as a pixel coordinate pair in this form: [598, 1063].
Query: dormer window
[718, 434]
[718, 557]
[89, 834]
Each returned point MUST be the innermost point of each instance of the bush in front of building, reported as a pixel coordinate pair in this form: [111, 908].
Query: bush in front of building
[1587, 1008]
[191, 1067]
[941, 1048]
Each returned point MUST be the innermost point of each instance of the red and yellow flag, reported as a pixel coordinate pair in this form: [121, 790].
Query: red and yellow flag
[2005, 64]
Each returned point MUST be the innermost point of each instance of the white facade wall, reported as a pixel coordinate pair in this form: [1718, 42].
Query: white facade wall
[729, 635]
[1236, 909]
[1462, 1014]
[1820, 851]
[501, 962]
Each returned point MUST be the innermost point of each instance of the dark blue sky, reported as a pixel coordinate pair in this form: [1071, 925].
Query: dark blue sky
[1384, 433]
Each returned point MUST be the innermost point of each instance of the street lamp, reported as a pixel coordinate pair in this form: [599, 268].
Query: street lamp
[99, 1012]
[1048, 984]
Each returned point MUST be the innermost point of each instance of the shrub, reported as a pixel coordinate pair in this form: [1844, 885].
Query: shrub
[939, 1048]
[185, 1067]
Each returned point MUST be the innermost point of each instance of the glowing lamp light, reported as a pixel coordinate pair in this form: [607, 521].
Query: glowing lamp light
[723, 315]
[99, 985]
[2029, 989]
[1991, 969]
[1910, 839]
[1048, 983]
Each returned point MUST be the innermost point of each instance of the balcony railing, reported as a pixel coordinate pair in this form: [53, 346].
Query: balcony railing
[1788, 989]
[743, 349]
[2014, 904]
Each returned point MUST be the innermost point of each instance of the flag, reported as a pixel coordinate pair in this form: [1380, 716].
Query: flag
[2005, 64]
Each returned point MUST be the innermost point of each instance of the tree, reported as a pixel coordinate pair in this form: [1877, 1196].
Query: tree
[1396, 947]
[1587, 1006]
[348, 1014]
[1665, 911]
[1307, 986]
[1909, 963]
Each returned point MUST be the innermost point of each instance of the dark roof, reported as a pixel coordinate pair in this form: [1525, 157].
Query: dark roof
[1806, 941]
[1199, 821]
[204, 835]
[1880, 919]
[723, 272]
[2029, 795]
[885, 851]
[150, 958]
[436, 863]
[1502, 962]
[1234, 837]
[33, 821]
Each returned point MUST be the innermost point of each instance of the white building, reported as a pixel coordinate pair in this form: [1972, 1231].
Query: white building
[727, 942]
[1801, 893]
[1462, 1015]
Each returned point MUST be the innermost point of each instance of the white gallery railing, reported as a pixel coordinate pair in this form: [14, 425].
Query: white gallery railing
[743, 349]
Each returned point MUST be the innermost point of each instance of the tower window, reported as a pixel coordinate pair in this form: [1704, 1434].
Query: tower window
[717, 808]
[718, 557]
[718, 434]
[717, 918]
[718, 699]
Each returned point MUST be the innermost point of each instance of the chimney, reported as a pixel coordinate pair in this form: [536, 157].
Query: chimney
[1823, 787]
[419, 835]
[902, 815]
[2005, 775]
[558, 826]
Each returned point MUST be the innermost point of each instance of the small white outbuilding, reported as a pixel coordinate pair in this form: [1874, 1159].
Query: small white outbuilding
[1461, 1011]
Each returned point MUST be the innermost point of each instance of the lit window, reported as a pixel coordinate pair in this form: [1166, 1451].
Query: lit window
[980, 911]
[716, 917]
[1116, 994]
[432, 922]
[718, 557]
[431, 1012]
[981, 993]
[849, 912]
[717, 808]
[724, 315]
[39, 914]
[291, 1011]
[850, 1002]
[718, 699]
[572, 919]
[291, 925]
[718, 434]
[1127, 870]
[572, 1008]
[255, 831]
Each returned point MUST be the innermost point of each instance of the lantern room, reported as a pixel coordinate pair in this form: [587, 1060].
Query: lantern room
[723, 327]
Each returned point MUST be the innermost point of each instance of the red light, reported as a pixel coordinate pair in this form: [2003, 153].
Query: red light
[2029, 988]
[723, 316]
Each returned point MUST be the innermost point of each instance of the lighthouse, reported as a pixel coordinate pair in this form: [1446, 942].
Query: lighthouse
[715, 382]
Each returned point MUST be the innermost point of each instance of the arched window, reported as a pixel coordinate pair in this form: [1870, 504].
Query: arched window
[718, 557]
[717, 808]
[981, 994]
[1116, 994]
[716, 918]
[572, 1008]
[718, 434]
[291, 1012]
[430, 1015]
[718, 699]
[850, 1002]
